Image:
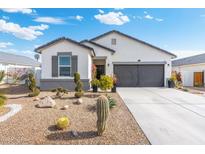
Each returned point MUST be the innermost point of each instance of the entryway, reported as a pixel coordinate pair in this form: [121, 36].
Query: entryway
[100, 66]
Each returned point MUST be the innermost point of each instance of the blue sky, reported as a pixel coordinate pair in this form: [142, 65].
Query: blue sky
[181, 31]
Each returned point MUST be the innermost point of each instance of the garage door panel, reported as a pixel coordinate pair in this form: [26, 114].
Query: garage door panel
[151, 75]
[139, 75]
[127, 75]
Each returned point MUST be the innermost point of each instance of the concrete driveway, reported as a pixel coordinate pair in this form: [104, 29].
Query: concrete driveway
[167, 116]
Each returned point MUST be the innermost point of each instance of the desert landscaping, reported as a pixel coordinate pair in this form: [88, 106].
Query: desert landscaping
[34, 125]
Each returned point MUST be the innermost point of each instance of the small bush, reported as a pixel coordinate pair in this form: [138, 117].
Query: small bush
[76, 77]
[79, 86]
[34, 93]
[3, 99]
[62, 123]
[79, 94]
[112, 102]
[95, 82]
[184, 89]
[60, 91]
[106, 82]
[2, 75]
[32, 81]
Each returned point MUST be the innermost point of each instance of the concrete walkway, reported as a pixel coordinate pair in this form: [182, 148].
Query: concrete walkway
[167, 116]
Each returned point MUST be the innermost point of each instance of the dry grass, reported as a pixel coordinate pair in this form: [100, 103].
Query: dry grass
[37, 125]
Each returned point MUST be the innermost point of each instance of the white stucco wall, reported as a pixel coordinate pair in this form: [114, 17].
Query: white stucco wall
[100, 52]
[187, 72]
[84, 59]
[128, 50]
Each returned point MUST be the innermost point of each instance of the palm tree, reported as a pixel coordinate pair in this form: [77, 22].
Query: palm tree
[36, 56]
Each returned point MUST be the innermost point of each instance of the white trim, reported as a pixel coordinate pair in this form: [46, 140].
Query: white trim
[64, 65]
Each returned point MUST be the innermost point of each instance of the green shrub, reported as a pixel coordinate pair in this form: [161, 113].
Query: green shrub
[106, 82]
[95, 82]
[79, 86]
[3, 99]
[60, 91]
[2, 75]
[34, 93]
[79, 94]
[62, 123]
[76, 77]
[112, 102]
[31, 81]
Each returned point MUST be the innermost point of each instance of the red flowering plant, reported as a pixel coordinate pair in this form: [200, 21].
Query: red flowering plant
[114, 78]
[94, 71]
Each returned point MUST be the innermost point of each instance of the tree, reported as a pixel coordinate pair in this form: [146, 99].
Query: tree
[36, 56]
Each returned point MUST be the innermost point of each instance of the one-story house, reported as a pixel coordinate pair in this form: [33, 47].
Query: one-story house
[191, 69]
[18, 63]
[134, 62]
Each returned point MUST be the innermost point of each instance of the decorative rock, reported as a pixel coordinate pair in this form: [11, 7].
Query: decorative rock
[37, 99]
[74, 133]
[47, 102]
[79, 101]
[65, 107]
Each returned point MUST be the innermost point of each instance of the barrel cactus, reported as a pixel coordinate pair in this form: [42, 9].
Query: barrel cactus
[62, 123]
[102, 114]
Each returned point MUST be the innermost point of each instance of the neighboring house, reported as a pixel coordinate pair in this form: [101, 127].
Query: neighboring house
[12, 62]
[191, 69]
[135, 63]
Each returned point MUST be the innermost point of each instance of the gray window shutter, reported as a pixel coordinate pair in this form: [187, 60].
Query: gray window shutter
[54, 66]
[74, 65]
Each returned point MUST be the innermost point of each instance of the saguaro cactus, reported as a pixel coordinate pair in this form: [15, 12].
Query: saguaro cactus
[102, 114]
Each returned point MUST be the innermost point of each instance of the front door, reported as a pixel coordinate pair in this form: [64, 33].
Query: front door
[198, 79]
[100, 70]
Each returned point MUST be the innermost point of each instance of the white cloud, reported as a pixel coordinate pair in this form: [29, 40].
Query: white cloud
[101, 11]
[5, 44]
[118, 8]
[18, 10]
[187, 53]
[148, 17]
[79, 18]
[112, 18]
[5, 17]
[50, 20]
[26, 33]
[158, 19]
[145, 12]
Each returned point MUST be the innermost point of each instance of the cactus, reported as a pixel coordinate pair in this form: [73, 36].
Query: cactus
[102, 114]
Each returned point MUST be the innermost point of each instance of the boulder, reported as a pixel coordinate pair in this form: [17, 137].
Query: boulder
[47, 102]
[65, 107]
[37, 99]
[79, 101]
[74, 133]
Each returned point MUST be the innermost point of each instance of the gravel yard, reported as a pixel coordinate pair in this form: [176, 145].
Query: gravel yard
[34, 125]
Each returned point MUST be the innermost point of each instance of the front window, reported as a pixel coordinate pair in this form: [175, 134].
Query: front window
[64, 66]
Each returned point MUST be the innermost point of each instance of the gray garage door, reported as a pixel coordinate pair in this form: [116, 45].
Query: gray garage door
[139, 75]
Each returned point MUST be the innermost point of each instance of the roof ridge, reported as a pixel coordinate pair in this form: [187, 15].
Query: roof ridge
[97, 44]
